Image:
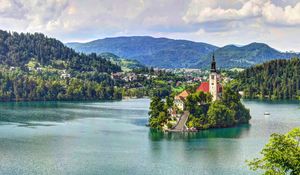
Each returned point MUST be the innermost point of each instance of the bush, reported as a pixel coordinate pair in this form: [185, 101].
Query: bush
[169, 125]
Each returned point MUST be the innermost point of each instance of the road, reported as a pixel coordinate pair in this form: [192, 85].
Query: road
[180, 126]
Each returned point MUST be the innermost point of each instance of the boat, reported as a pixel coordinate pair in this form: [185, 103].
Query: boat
[267, 113]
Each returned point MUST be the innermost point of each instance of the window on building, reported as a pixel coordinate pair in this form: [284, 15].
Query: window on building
[212, 76]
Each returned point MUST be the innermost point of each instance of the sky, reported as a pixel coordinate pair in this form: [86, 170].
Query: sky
[218, 22]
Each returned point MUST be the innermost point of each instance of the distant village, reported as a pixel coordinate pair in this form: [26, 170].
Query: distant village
[190, 75]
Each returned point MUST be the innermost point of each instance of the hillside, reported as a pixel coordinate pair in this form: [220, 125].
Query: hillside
[125, 64]
[276, 79]
[18, 49]
[245, 56]
[35, 67]
[169, 53]
[156, 52]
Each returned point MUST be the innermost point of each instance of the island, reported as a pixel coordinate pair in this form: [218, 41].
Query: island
[213, 104]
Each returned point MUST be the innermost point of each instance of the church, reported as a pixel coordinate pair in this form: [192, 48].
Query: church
[213, 86]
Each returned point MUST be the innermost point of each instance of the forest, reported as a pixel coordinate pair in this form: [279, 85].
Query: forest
[276, 79]
[35, 67]
[18, 49]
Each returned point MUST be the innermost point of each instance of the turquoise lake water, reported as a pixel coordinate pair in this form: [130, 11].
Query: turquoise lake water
[111, 138]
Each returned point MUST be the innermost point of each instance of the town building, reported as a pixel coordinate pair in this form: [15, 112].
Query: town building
[180, 99]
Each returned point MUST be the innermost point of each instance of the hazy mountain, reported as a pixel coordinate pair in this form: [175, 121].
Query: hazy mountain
[169, 53]
[157, 52]
[244, 56]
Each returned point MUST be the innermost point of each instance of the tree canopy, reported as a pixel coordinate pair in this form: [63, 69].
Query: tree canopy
[281, 155]
[277, 79]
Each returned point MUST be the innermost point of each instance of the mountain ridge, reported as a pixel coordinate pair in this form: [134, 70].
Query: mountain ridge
[148, 50]
[245, 56]
[178, 53]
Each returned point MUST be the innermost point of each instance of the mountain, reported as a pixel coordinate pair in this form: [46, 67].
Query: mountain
[125, 64]
[156, 52]
[169, 53]
[245, 56]
[17, 50]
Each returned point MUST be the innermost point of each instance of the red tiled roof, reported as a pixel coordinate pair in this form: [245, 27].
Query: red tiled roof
[204, 86]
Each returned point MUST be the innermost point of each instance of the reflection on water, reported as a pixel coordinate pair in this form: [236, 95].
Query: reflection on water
[26, 113]
[235, 132]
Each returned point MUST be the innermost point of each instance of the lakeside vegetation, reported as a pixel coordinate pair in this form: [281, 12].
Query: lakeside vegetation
[18, 85]
[276, 79]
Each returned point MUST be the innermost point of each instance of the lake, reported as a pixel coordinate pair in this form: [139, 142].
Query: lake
[111, 138]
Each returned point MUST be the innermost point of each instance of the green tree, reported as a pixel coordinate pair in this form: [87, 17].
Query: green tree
[276, 79]
[232, 99]
[281, 155]
[219, 115]
[157, 113]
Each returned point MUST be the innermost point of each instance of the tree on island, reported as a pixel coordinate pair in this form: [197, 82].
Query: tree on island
[219, 115]
[157, 113]
[226, 112]
[232, 99]
[280, 156]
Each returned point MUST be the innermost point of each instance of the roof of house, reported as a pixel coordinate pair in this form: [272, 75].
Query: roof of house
[204, 86]
[182, 95]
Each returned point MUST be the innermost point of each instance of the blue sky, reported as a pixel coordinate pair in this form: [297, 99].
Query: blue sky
[219, 22]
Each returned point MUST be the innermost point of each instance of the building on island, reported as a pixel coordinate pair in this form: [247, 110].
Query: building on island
[179, 99]
[213, 86]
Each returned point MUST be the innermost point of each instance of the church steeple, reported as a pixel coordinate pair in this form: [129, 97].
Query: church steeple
[214, 79]
[213, 64]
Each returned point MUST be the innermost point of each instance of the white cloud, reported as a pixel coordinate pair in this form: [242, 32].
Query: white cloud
[214, 21]
[261, 9]
[208, 14]
[287, 15]
[33, 15]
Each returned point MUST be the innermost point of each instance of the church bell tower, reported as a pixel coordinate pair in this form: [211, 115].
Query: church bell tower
[213, 80]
